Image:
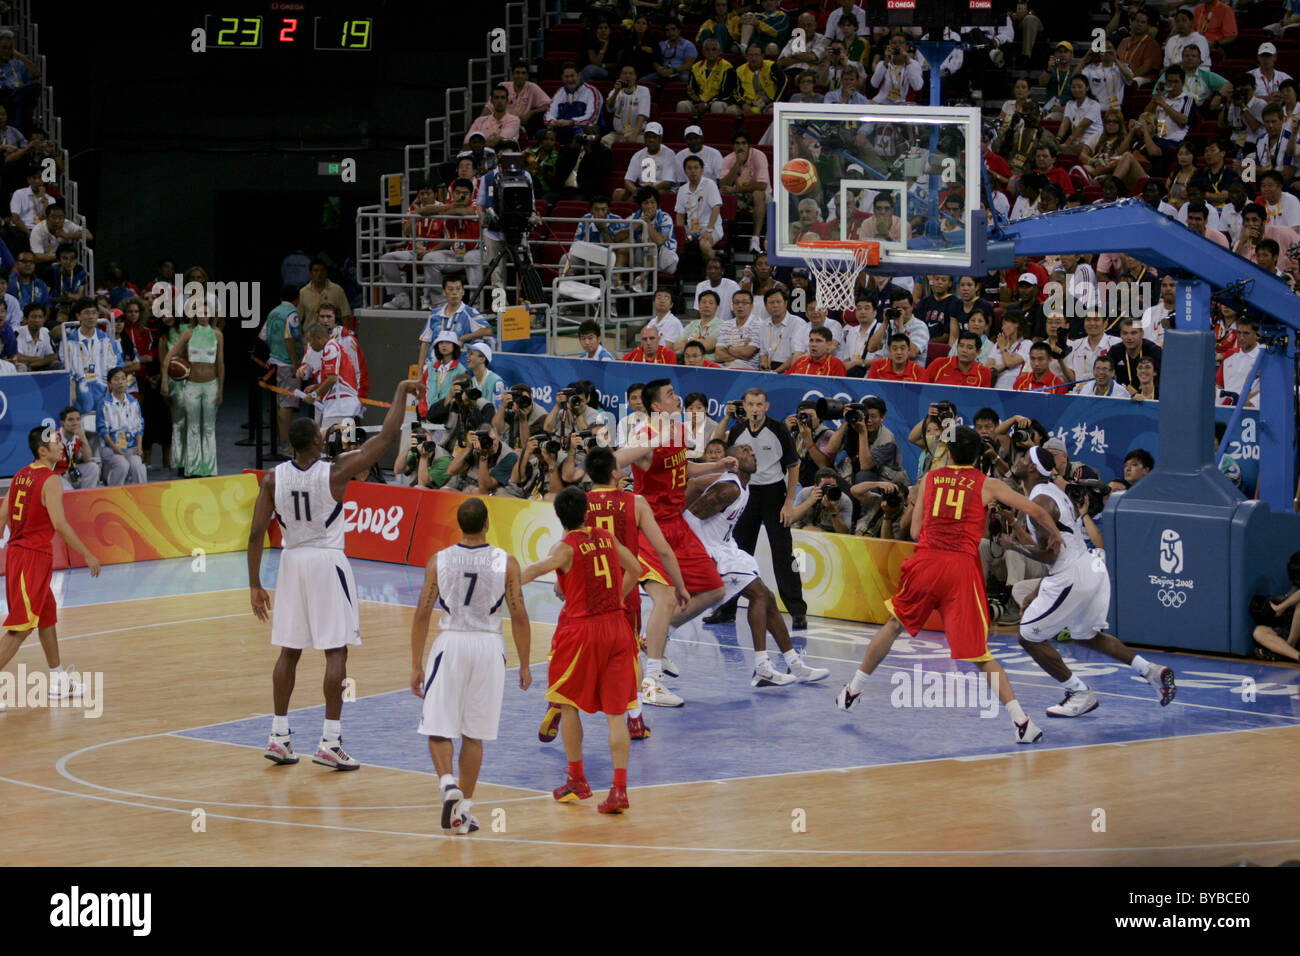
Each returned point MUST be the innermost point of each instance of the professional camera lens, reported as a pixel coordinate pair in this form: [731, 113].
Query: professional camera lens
[803, 418]
[832, 492]
[552, 446]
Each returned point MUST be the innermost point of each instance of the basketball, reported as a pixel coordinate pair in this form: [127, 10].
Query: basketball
[178, 368]
[799, 176]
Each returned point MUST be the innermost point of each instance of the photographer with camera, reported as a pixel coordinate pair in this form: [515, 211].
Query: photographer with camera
[992, 460]
[823, 505]
[483, 465]
[345, 438]
[506, 210]
[882, 507]
[926, 433]
[573, 411]
[898, 320]
[78, 468]
[423, 463]
[463, 410]
[531, 475]
[811, 439]
[871, 451]
[519, 416]
[1018, 434]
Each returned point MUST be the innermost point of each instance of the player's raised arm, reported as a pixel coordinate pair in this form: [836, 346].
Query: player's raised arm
[420, 624]
[262, 513]
[520, 627]
[695, 469]
[52, 499]
[648, 526]
[560, 559]
[633, 454]
[350, 464]
[631, 568]
[1002, 492]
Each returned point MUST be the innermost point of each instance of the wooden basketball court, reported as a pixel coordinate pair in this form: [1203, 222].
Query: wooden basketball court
[128, 789]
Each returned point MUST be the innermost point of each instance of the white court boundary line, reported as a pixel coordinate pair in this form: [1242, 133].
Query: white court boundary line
[638, 846]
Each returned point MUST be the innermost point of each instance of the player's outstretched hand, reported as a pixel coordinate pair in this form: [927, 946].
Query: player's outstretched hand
[261, 604]
[413, 386]
[729, 463]
[92, 562]
[525, 678]
[683, 597]
[417, 682]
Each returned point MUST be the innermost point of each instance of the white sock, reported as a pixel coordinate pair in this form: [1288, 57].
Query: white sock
[57, 670]
[1016, 711]
[791, 657]
[331, 730]
[1075, 685]
[280, 725]
[1141, 665]
[654, 667]
[761, 660]
[859, 682]
[635, 711]
[445, 779]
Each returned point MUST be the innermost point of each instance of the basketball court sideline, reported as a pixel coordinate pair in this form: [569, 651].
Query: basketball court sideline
[171, 773]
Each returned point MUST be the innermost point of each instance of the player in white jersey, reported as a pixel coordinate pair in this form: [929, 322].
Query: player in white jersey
[713, 506]
[466, 669]
[316, 597]
[1074, 596]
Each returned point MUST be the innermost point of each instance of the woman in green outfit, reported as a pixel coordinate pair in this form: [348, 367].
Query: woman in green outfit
[204, 347]
[171, 334]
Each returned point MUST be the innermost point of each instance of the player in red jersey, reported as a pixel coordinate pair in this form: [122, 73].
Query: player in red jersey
[593, 652]
[945, 573]
[627, 516]
[33, 512]
[658, 454]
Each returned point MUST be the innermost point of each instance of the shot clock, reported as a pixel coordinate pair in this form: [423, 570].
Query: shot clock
[255, 33]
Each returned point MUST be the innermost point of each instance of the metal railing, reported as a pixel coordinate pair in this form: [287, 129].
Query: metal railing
[624, 286]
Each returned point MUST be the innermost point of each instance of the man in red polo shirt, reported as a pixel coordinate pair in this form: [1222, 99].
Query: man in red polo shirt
[650, 349]
[898, 367]
[961, 369]
[819, 360]
[1039, 374]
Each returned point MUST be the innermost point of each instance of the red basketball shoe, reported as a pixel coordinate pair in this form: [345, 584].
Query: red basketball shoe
[616, 802]
[637, 729]
[572, 791]
[550, 725]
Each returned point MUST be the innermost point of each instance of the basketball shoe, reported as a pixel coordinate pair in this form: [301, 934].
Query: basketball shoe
[550, 728]
[1162, 679]
[654, 692]
[572, 791]
[637, 728]
[1028, 732]
[279, 750]
[330, 753]
[1076, 704]
[670, 667]
[63, 687]
[766, 676]
[466, 823]
[616, 802]
[451, 798]
[808, 675]
[846, 699]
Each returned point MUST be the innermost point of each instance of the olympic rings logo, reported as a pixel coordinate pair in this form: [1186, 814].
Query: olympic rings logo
[1172, 598]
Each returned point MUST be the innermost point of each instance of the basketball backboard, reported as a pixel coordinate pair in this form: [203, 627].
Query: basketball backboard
[924, 161]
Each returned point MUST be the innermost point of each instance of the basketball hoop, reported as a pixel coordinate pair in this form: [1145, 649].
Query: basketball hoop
[837, 276]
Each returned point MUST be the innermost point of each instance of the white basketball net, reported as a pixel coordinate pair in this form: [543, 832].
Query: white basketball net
[836, 277]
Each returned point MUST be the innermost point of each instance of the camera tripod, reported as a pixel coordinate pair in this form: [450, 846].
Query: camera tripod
[517, 249]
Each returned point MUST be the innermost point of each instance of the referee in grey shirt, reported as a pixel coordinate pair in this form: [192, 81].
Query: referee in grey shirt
[771, 500]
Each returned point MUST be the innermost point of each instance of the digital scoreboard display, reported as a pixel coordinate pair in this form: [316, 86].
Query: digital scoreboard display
[330, 33]
[934, 15]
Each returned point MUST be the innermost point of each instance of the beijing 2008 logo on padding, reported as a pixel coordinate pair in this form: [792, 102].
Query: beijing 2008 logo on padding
[1170, 591]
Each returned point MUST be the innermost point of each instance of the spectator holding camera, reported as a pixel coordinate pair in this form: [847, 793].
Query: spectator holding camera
[870, 449]
[483, 465]
[992, 461]
[898, 320]
[423, 462]
[823, 505]
[461, 412]
[572, 412]
[1018, 434]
